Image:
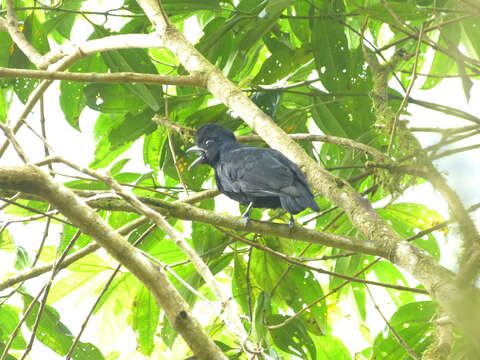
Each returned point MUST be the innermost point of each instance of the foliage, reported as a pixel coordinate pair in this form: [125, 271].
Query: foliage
[265, 46]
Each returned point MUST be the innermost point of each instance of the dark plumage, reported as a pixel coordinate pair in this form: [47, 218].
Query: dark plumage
[257, 177]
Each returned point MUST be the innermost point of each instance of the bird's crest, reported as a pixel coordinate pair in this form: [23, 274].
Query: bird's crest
[210, 131]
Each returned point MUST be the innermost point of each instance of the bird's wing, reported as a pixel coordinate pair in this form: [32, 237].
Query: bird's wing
[256, 172]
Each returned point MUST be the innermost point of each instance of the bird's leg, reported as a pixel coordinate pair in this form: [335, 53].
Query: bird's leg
[291, 222]
[246, 213]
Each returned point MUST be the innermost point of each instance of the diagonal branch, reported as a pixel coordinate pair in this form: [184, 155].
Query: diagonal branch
[30, 178]
[231, 319]
[436, 279]
[70, 53]
[121, 77]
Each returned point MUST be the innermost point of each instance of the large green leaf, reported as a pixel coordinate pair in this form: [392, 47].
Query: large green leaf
[389, 274]
[402, 10]
[282, 62]
[406, 218]
[330, 347]
[299, 289]
[133, 60]
[145, 318]
[292, 338]
[62, 22]
[330, 49]
[54, 334]
[266, 269]
[443, 64]
[10, 320]
[112, 98]
[261, 311]
[412, 322]
[105, 151]
[240, 287]
[72, 96]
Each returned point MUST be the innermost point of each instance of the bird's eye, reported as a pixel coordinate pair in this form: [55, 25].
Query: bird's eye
[208, 142]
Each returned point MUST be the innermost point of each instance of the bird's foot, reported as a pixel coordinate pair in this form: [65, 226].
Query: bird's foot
[246, 220]
[291, 223]
[246, 214]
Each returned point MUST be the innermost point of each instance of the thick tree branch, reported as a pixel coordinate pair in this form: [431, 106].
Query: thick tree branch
[68, 54]
[122, 77]
[230, 315]
[437, 280]
[185, 211]
[11, 25]
[184, 130]
[31, 179]
[70, 259]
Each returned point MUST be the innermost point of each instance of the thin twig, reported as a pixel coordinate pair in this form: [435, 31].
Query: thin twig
[397, 336]
[104, 290]
[118, 77]
[43, 302]
[231, 319]
[11, 138]
[407, 94]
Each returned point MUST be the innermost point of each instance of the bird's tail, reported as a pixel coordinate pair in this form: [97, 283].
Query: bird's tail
[295, 204]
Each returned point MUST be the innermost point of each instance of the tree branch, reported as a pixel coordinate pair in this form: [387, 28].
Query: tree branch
[437, 280]
[31, 179]
[121, 77]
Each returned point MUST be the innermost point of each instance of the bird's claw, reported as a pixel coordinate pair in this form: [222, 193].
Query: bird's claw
[246, 220]
[291, 224]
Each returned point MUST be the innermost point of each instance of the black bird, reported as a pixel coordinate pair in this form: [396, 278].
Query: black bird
[257, 177]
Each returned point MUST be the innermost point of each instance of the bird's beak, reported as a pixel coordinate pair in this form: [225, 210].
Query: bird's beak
[200, 159]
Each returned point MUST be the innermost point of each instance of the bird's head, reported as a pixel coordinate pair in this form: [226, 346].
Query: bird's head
[209, 140]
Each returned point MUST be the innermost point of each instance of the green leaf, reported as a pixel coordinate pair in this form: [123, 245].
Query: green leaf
[360, 298]
[266, 269]
[145, 318]
[73, 282]
[240, 284]
[330, 50]
[207, 241]
[133, 60]
[105, 152]
[388, 273]
[300, 289]
[443, 64]
[470, 29]
[9, 357]
[402, 10]
[23, 259]
[131, 128]
[7, 46]
[152, 148]
[62, 22]
[331, 347]
[6, 242]
[412, 322]
[176, 7]
[261, 311]
[39, 206]
[282, 62]
[267, 101]
[329, 117]
[72, 96]
[118, 295]
[260, 25]
[301, 27]
[54, 334]
[10, 319]
[408, 218]
[293, 337]
[112, 98]
[5, 101]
